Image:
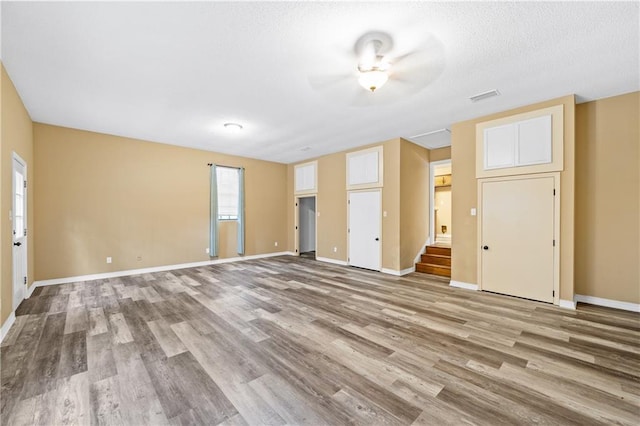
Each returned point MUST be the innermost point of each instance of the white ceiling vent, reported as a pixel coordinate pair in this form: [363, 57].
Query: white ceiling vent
[434, 139]
[484, 95]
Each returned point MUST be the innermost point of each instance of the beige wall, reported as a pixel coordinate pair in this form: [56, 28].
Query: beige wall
[16, 136]
[414, 201]
[464, 196]
[100, 195]
[440, 154]
[391, 224]
[608, 198]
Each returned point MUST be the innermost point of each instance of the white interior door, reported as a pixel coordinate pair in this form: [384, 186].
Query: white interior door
[365, 228]
[19, 219]
[517, 252]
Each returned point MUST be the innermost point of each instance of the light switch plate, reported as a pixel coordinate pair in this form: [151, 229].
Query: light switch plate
[473, 211]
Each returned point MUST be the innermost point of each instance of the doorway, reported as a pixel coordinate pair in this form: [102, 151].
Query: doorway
[307, 226]
[519, 237]
[440, 227]
[19, 229]
[365, 229]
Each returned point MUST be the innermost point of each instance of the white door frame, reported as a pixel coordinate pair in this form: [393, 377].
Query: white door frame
[556, 226]
[296, 220]
[380, 227]
[432, 198]
[25, 248]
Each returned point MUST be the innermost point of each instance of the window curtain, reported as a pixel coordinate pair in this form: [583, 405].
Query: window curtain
[213, 214]
[241, 211]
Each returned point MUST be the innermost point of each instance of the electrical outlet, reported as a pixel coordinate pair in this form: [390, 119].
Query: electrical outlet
[139, 258]
[206, 250]
[276, 244]
[335, 249]
[109, 259]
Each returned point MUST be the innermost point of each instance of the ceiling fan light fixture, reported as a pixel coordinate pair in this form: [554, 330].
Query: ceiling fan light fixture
[373, 78]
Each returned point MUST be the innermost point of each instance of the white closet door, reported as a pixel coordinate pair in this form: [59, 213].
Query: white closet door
[365, 228]
[518, 237]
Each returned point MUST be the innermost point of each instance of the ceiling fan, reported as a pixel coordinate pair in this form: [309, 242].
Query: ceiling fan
[375, 61]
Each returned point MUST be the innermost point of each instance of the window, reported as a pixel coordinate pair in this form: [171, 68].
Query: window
[227, 193]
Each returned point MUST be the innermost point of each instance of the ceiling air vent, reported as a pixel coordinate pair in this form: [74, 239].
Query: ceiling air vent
[484, 95]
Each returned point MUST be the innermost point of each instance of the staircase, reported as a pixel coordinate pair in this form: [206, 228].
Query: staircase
[436, 261]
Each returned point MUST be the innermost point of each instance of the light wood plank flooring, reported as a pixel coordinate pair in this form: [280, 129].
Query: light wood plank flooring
[295, 341]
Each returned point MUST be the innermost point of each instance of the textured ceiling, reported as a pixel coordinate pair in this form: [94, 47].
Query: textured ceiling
[175, 72]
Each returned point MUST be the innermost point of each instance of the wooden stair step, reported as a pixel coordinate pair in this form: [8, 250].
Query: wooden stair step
[428, 268]
[443, 251]
[436, 259]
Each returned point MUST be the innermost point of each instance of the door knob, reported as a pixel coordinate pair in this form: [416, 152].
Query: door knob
[485, 248]
[377, 239]
[18, 244]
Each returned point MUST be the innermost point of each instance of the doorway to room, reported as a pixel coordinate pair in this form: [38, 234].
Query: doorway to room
[440, 218]
[306, 229]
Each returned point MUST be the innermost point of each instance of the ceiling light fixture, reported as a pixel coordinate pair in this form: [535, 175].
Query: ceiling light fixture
[373, 79]
[373, 70]
[484, 95]
[233, 127]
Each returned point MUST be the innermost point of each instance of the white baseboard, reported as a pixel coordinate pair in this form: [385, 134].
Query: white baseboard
[128, 272]
[7, 325]
[31, 289]
[567, 304]
[609, 303]
[398, 273]
[460, 284]
[329, 260]
[418, 258]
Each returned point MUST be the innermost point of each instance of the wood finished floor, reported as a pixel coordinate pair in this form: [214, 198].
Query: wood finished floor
[294, 341]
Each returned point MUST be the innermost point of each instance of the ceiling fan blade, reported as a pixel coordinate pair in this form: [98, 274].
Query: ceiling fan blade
[324, 82]
[420, 67]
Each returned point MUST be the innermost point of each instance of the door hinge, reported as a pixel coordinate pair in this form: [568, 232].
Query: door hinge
[296, 250]
[554, 191]
[554, 243]
[348, 230]
[25, 183]
[296, 227]
[25, 280]
[553, 293]
[25, 232]
[296, 204]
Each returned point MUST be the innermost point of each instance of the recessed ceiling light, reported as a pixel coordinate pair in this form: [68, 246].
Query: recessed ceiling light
[233, 127]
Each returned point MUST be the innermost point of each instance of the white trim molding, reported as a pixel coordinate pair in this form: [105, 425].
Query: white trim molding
[329, 260]
[7, 325]
[567, 304]
[128, 272]
[398, 273]
[609, 303]
[31, 289]
[460, 284]
[418, 257]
